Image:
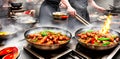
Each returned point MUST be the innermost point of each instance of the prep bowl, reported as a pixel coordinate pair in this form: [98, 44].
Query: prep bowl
[5, 34]
[60, 15]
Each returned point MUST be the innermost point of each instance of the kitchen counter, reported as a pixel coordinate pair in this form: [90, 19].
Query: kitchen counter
[19, 41]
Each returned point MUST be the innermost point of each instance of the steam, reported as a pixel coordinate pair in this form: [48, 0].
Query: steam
[16, 29]
[11, 28]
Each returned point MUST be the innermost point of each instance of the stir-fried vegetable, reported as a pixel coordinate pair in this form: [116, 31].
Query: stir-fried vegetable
[96, 38]
[48, 37]
[106, 43]
[89, 30]
[44, 33]
[103, 39]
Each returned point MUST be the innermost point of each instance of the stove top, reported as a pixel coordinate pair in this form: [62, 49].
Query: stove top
[45, 54]
[62, 53]
[94, 54]
[79, 52]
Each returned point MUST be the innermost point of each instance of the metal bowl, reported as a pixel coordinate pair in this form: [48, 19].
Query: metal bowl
[5, 34]
[43, 46]
[60, 15]
[95, 47]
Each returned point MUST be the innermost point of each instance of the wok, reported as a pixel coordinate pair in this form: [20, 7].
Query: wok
[95, 47]
[43, 46]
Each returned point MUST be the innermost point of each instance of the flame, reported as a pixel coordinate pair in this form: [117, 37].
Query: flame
[106, 26]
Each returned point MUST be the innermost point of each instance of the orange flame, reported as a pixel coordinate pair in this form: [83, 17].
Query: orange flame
[106, 26]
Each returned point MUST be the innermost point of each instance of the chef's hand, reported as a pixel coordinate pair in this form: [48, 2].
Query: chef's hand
[101, 9]
[71, 11]
[61, 5]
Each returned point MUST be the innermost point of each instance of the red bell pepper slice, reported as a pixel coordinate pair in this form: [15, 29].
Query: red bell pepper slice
[9, 56]
[8, 50]
[93, 41]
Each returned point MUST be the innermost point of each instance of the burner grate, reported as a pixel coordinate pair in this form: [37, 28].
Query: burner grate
[72, 55]
[94, 54]
[45, 54]
[62, 53]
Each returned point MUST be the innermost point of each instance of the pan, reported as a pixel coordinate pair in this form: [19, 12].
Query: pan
[98, 46]
[44, 45]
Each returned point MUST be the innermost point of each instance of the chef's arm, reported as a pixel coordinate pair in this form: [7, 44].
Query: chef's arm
[92, 3]
[70, 9]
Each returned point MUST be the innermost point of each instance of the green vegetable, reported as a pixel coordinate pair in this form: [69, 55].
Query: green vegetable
[35, 40]
[96, 43]
[106, 43]
[44, 33]
[103, 39]
[89, 30]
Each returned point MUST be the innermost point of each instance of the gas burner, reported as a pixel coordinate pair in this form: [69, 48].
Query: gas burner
[72, 55]
[62, 53]
[45, 54]
[94, 54]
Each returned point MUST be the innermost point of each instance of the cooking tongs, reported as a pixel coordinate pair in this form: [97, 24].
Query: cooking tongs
[78, 17]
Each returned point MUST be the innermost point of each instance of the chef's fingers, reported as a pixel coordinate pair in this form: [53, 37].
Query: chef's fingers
[71, 11]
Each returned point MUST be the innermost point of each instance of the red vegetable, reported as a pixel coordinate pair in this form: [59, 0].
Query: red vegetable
[93, 41]
[64, 17]
[9, 52]
[9, 56]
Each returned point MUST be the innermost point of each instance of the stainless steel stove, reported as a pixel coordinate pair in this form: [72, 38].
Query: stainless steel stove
[62, 53]
[68, 52]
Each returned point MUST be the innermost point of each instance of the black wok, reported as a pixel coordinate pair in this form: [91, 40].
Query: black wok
[94, 47]
[47, 47]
